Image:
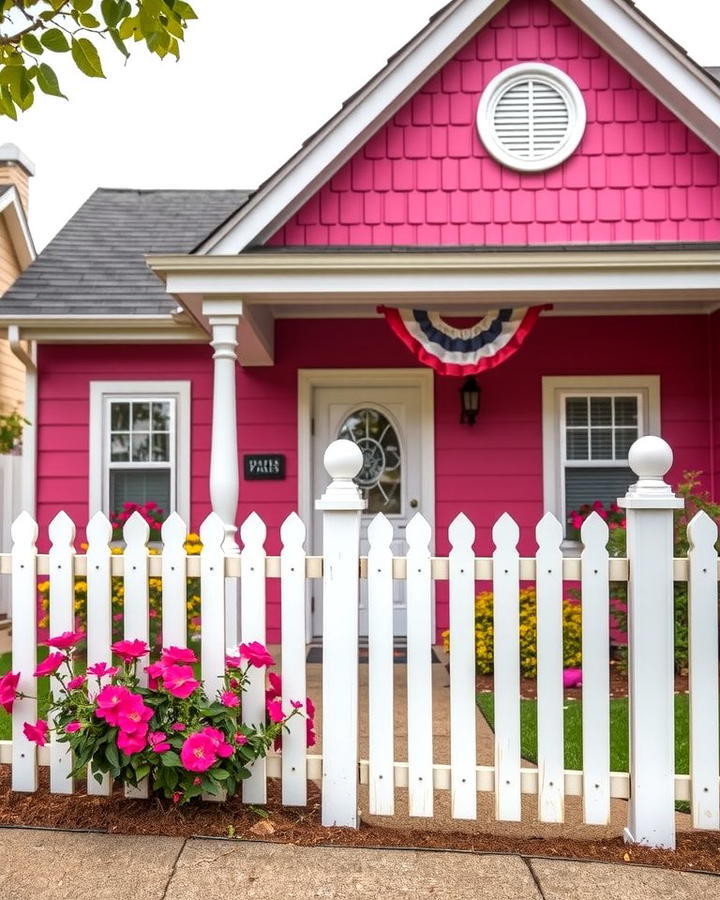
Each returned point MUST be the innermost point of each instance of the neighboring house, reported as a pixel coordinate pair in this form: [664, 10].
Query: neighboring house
[16, 254]
[513, 155]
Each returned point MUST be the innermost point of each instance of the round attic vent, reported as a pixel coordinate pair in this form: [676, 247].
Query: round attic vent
[531, 117]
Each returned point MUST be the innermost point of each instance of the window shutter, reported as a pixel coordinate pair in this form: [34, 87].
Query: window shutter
[586, 485]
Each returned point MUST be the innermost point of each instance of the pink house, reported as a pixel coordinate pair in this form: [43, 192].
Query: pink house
[529, 189]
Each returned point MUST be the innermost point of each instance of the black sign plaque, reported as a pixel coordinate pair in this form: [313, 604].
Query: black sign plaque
[264, 466]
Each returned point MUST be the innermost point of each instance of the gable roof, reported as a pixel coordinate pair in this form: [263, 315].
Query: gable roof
[96, 263]
[650, 55]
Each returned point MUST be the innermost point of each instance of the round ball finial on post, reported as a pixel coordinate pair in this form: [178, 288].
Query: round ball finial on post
[343, 461]
[650, 458]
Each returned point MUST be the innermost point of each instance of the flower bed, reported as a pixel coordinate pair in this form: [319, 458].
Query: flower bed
[185, 741]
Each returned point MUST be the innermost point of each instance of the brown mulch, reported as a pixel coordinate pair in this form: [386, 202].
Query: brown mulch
[618, 685]
[696, 851]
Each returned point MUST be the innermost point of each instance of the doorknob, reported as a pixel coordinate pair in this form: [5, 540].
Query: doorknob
[413, 504]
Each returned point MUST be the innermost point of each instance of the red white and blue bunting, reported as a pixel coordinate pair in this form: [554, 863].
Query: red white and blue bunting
[462, 351]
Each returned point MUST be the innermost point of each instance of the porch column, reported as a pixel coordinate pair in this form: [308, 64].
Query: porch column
[224, 470]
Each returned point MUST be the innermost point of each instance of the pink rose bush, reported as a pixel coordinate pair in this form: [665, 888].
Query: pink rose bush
[172, 732]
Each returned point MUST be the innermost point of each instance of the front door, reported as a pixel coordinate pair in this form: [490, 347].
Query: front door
[385, 422]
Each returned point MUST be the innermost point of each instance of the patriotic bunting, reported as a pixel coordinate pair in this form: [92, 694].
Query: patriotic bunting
[462, 351]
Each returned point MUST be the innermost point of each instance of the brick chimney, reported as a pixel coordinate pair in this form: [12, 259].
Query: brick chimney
[16, 168]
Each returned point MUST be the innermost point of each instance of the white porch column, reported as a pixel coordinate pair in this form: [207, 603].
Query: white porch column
[224, 467]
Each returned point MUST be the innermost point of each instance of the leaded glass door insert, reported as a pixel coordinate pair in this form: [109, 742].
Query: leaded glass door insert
[380, 478]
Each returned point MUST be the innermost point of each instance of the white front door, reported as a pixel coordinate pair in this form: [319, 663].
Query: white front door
[386, 423]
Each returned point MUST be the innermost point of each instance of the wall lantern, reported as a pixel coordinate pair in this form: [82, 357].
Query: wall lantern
[469, 400]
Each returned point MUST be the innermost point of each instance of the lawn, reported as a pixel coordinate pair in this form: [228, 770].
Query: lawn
[573, 731]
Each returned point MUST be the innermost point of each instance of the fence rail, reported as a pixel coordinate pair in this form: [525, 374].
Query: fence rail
[651, 786]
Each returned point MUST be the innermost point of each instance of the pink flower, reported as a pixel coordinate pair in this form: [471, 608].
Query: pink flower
[102, 669]
[130, 650]
[310, 707]
[577, 520]
[233, 662]
[156, 670]
[8, 690]
[275, 710]
[572, 678]
[50, 664]
[176, 797]
[198, 753]
[76, 682]
[296, 704]
[157, 741]
[178, 726]
[65, 640]
[256, 654]
[173, 655]
[37, 733]
[275, 689]
[72, 727]
[131, 742]
[222, 748]
[309, 733]
[180, 681]
[240, 738]
[133, 715]
[227, 698]
[110, 701]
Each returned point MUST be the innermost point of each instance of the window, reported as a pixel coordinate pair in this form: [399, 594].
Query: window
[139, 445]
[589, 425]
[381, 475]
[531, 117]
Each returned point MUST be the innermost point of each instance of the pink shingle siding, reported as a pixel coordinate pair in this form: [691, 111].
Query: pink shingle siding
[639, 174]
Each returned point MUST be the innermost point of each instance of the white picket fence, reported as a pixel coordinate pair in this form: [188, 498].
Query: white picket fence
[10, 480]
[651, 786]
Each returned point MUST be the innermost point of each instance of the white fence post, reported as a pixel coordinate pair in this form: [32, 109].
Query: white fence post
[341, 505]
[650, 504]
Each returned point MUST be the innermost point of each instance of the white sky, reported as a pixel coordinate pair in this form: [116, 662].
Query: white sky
[254, 80]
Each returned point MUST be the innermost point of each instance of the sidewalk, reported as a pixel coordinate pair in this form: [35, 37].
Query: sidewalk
[52, 865]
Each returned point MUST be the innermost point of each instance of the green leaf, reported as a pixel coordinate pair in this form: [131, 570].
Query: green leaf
[6, 102]
[82, 6]
[117, 40]
[54, 40]
[86, 58]
[87, 20]
[32, 44]
[220, 774]
[142, 772]
[112, 755]
[110, 10]
[170, 758]
[48, 82]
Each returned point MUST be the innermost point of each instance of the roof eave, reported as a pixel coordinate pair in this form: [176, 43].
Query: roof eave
[14, 216]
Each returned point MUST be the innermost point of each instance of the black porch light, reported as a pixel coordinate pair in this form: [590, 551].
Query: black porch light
[469, 400]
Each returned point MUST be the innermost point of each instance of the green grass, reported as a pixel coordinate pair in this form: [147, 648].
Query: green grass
[573, 731]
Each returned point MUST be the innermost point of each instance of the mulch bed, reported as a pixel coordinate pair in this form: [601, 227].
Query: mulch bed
[618, 685]
[697, 851]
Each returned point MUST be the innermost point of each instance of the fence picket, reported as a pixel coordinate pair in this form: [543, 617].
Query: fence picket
[550, 723]
[174, 582]
[595, 574]
[136, 604]
[419, 667]
[62, 618]
[703, 639]
[292, 627]
[463, 702]
[24, 534]
[252, 628]
[506, 680]
[381, 721]
[99, 616]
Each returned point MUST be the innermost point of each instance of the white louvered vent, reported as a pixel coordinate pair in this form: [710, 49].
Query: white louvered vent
[531, 117]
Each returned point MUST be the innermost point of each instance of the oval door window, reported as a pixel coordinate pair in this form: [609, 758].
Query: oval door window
[380, 478]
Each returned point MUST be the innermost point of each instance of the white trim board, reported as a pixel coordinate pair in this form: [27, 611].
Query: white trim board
[554, 388]
[648, 54]
[13, 212]
[181, 391]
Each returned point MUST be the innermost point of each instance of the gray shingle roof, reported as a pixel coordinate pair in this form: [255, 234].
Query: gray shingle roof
[96, 266]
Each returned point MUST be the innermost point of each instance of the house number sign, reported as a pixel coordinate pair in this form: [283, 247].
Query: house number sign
[264, 466]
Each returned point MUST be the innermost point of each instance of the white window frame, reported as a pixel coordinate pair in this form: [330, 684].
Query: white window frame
[554, 391]
[504, 81]
[102, 393]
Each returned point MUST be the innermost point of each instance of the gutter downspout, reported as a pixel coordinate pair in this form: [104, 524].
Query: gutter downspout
[28, 357]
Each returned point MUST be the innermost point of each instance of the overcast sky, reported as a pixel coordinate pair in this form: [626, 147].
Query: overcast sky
[254, 80]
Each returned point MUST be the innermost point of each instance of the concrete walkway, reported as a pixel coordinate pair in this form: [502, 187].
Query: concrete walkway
[52, 865]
